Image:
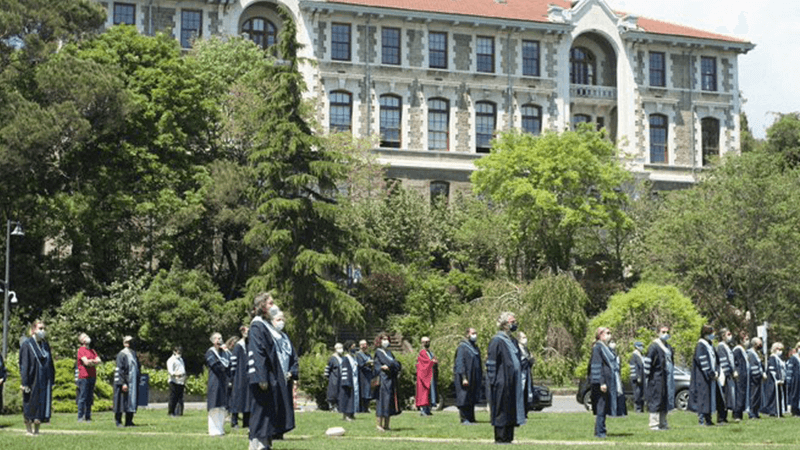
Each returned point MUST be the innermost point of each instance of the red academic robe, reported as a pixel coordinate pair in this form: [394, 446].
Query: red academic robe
[425, 371]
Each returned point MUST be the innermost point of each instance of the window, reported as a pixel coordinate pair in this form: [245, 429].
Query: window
[125, 14]
[440, 191]
[391, 116]
[191, 27]
[341, 111]
[581, 68]
[530, 58]
[578, 119]
[710, 131]
[437, 50]
[340, 42]
[485, 52]
[484, 126]
[438, 124]
[658, 69]
[708, 68]
[532, 119]
[658, 139]
[390, 41]
[601, 122]
[261, 31]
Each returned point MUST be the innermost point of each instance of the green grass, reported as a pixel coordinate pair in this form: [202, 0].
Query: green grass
[410, 431]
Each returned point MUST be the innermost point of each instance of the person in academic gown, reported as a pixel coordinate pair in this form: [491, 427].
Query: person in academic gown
[427, 368]
[366, 372]
[126, 383]
[240, 392]
[793, 381]
[218, 363]
[349, 387]
[387, 404]
[271, 405]
[726, 391]
[636, 364]
[468, 376]
[504, 381]
[659, 373]
[526, 364]
[3, 378]
[622, 407]
[773, 401]
[756, 377]
[741, 366]
[333, 372]
[606, 382]
[702, 388]
[37, 376]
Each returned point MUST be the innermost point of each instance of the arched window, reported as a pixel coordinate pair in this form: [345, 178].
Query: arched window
[710, 130]
[485, 119]
[439, 190]
[438, 124]
[341, 111]
[532, 119]
[582, 66]
[391, 120]
[658, 139]
[261, 31]
[578, 119]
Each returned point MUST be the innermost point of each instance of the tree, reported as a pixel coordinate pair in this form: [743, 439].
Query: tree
[551, 187]
[783, 138]
[748, 142]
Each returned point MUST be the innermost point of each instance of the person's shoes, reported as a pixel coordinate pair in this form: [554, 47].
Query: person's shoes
[119, 425]
[380, 428]
[81, 420]
[600, 436]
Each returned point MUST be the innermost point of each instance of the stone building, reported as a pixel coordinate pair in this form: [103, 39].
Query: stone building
[434, 79]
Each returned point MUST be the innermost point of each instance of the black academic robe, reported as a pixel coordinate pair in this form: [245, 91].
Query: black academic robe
[218, 363]
[271, 409]
[468, 366]
[3, 378]
[741, 385]
[504, 382]
[703, 388]
[126, 373]
[636, 364]
[793, 384]
[755, 379]
[334, 376]
[659, 373]
[240, 394]
[366, 372]
[387, 404]
[526, 365]
[604, 370]
[349, 386]
[37, 372]
[772, 398]
[727, 367]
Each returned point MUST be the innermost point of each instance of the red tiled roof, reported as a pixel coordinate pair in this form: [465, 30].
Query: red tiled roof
[660, 27]
[527, 10]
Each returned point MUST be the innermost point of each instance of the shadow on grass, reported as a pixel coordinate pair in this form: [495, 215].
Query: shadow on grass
[619, 434]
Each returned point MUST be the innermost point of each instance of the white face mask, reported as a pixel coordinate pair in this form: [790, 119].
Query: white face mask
[279, 325]
[385, 343]
[87, 341]
[273, 310]
[339, 351]
[40, 334]
[779, 352]
[612, 345]
[473, 337]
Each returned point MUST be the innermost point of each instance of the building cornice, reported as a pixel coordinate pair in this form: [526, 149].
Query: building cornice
[684, 41]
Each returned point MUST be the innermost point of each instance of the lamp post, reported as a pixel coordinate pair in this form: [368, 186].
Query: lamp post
[17, 232]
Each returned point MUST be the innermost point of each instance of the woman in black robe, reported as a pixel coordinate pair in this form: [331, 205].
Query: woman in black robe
[468, 376]
[703, 387]
[742, 386]
[37, 376]
[773, 401]
[387, 404]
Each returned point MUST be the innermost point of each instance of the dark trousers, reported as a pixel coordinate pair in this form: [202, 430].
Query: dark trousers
[128, 418]
[722, 408]
[364, 405]
[600, 418]
[175, 398]
[467, 413]
[504, 434]
[245, 419]
[85, 397]
[638, 397]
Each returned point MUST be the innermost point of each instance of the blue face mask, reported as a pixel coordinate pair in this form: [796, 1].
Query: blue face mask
[664, 337]
[710, 337]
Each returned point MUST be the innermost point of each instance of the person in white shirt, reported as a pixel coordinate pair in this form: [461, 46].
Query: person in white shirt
[177, 380]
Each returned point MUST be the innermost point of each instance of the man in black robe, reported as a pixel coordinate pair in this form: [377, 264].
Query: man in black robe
[636, 364]
[468, 376]
[271, 407]
[126, 383]
[659, 373]
[333, 373]
[606, 382]
[349, 385]
[703, 386]
[741, 402]
[366, 372]
[37, 376]
[773, 403]
[240, 393]
[527, 361]
[726, 393]
[387, 403]
[756, 377]
[3, 377]
[793, 381]
[504, 378]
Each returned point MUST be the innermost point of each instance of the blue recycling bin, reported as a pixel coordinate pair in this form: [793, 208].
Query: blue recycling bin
[144, 390]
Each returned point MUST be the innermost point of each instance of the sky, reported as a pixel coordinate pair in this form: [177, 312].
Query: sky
[768, 74]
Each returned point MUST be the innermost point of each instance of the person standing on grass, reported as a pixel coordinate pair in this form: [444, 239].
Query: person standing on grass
[793, 381]
[3, 378]
[87, 362]
[126, 383]
[333, 373]
[659, 375]
[387, 403]
[240, 392]
[726, 391]
[177, 379]
[606, 382]
[349, 386]
[526, 365]
[218, 363]
[427, 368]
[37, 376]
[504, 379]
[703, 387]
[636, 364]
[366, 372]
[773, 403]
[756, 377]
[468, 375]
[741, 402]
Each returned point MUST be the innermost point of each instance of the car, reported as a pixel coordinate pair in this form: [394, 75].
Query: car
[542, 398]
[682, 381]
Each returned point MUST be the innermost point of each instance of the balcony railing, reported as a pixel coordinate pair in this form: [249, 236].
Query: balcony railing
[593, 92]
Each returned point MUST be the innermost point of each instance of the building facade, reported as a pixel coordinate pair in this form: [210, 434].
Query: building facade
[436, 79]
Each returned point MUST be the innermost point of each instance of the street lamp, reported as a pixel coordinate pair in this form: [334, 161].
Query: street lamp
[17, 232]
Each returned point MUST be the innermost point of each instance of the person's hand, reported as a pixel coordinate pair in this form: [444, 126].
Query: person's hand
[435, 361]
[25, 389]
[124, 388]
[263, 385]
[764, 375]
[603, 387]
[735, 375]
[465, 382]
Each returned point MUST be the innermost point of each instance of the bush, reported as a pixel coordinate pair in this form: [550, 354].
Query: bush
[159, 379]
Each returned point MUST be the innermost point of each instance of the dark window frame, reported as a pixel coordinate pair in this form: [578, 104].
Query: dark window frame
[710, 131]
[708, 73]
[391, 54]
[530, 61]
[534, 120]
[338, 127]
[484, 61]
[338, 47]
[119, 15]
[435, 55]
[483, 140]
[265, 38]
[582, 66]
[190, 34]
[434, 135]
[439, 188]
[385, 110]
[658, 69]
[659, 139]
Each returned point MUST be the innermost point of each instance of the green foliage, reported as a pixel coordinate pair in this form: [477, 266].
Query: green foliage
[551, 187]
[428, 301]
[748, 142]
[635, 316]
[159, 379]
[783, 138]
[65, 390]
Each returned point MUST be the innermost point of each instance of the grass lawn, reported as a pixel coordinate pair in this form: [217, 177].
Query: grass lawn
[409, 431]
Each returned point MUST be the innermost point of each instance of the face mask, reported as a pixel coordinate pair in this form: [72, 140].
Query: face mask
[514, 326]
[710, 337]
[427, 345]
[612, 345]
[339, 351]
[384, 343]
[279, 325]
[665, 337]
[523, 341]
[87, 341]
[40, 334]
[780, 352]
[353, 351]
[273, 310]
[473, 337]
[728, 339]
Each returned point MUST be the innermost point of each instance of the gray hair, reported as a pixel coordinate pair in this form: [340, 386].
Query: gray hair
[214, 335]
[82, 337]
[504, 318]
